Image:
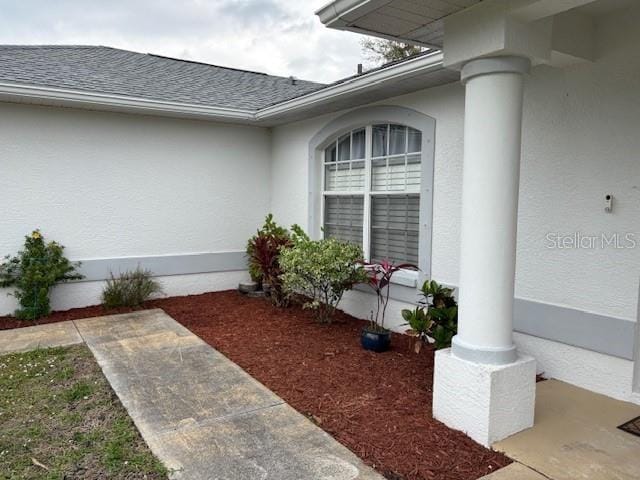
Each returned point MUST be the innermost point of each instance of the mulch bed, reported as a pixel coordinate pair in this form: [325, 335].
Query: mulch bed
[378, 405]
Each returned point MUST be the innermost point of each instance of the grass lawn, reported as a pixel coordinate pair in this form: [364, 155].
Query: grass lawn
[59, 419]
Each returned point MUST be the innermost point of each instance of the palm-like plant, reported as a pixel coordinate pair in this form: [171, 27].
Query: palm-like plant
[379, 279]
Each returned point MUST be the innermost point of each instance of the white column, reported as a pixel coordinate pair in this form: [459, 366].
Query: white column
[492, 142]
[481, 385]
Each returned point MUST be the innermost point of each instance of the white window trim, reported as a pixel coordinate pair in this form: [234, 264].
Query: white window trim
[382, 114]
[405, 277]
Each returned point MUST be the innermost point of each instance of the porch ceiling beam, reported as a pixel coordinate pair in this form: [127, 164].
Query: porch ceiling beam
[545, 8]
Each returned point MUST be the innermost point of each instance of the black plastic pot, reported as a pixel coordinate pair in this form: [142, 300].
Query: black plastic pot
[376, 341]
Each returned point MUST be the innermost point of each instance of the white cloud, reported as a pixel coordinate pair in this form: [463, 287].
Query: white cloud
[281, 37]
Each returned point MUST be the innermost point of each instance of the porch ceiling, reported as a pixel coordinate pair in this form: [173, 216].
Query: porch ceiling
[415, 21]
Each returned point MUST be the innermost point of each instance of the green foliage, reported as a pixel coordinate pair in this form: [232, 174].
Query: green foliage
[321, 270]
[437, 318]
[33, 271]
[420, 322]
[263, 251]
[130, 289]
[379, 51]
[437, 295]
[445, 325]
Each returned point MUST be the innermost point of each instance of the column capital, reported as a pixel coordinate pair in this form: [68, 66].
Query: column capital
[488, 65]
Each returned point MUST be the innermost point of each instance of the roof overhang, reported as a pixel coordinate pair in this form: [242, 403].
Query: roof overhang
[413, 21]
[418, 73]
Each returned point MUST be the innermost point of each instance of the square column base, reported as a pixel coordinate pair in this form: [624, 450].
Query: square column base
[487, 402]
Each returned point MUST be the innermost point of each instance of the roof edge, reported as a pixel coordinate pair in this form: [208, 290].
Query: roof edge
[24, 93]
[79, 98]
[341, 15]
[419, 64]
[333, 13]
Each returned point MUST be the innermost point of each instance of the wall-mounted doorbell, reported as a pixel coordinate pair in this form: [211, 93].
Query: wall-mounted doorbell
[608, 203]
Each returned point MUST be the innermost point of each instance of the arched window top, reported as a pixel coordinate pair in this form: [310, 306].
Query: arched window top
[371, 175]
[371, 189]
[379, 157]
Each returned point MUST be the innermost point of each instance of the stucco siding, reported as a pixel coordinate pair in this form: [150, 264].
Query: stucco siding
[112, 185]
[580, 143]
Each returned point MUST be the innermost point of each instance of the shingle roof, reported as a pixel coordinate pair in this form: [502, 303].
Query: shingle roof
[121, 72]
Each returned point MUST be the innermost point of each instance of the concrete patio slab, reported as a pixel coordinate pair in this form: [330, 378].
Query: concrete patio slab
[201, 414]
[515, 471]
[40, 336]
[575, 436]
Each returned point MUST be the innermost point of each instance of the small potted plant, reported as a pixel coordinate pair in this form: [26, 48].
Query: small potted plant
[375, 336]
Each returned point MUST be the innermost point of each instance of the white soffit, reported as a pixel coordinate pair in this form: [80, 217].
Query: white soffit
[415, 21]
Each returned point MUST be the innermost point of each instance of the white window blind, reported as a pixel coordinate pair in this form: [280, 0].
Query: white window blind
[371, 191]
[345, 163]
[395, 222]
[343, 218]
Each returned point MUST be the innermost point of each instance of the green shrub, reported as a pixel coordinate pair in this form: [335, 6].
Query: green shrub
[130, 289]
[420, 322]
[437, 318]
[33, 271]
[321, 270]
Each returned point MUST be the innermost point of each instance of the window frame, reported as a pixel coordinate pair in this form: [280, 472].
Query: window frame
[371, 115]
[367, 192]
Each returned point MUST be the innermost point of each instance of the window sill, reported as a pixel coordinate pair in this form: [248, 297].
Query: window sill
[406, 278]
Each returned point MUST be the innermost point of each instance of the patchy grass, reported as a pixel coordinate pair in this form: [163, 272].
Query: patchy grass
[59, 419]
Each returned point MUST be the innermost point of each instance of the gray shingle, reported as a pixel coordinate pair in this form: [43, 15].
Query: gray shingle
[100, 69]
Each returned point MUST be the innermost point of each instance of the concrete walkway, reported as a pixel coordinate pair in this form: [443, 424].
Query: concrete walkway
[515, 471]
[575, 436]
[59, 334]
[201, 414]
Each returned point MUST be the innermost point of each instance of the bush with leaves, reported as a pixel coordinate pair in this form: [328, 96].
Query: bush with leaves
[33, 272]
[257, 263]
[321, 270]
[130, 289]
[436, 318]
[263, 251]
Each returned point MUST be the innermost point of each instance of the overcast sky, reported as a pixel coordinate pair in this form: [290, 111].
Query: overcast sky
[281, 37]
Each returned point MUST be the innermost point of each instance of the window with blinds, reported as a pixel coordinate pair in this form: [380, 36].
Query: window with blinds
[394, 228]
[371, 190]
[343, 218]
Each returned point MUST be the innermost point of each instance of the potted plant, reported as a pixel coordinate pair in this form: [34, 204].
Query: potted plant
[375, 336]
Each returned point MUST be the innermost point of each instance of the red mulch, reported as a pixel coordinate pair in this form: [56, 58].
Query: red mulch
[378, 405]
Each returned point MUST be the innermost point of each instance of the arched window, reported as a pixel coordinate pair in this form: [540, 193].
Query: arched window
[371, 187]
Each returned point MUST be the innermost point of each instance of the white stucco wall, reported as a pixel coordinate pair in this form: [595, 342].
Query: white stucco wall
[580, 142]
[110, 185]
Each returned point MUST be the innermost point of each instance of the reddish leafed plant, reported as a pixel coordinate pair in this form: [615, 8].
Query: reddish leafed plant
[265, 254]
[379, 279]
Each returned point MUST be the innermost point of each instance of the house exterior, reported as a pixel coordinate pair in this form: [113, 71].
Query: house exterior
[504, 163]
